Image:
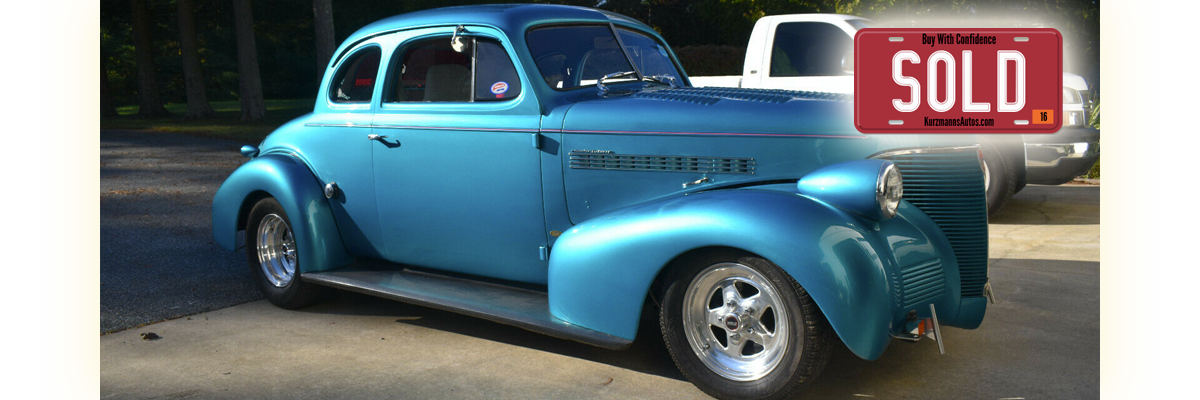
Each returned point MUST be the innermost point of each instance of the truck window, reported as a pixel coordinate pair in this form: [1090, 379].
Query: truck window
[809, 49]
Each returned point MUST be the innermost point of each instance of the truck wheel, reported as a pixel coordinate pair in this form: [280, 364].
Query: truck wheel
[738, 327]
[273, 257]
[1000, 179]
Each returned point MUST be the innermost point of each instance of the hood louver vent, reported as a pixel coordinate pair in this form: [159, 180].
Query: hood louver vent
[581, 159]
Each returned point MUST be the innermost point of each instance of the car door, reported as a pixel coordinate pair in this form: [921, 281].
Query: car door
[335, 145]
[457, 172]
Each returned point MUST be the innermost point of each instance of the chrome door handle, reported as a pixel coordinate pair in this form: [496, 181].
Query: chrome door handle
[696, 182]
[376, 137]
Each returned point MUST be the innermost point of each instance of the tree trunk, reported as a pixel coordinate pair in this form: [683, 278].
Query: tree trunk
[107, 108]
[249, 80]
[149, 104]
[323, 21]
[193, 76]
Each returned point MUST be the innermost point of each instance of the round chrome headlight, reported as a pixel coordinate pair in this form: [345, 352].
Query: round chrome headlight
[889, 189]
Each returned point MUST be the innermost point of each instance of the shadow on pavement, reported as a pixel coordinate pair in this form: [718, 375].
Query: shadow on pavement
[647, 354]
[1051, 205]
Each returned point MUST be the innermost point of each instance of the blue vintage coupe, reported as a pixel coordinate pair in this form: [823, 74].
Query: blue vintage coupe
[551, 168]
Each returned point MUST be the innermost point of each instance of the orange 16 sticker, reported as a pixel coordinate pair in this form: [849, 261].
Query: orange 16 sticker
[1043, 116]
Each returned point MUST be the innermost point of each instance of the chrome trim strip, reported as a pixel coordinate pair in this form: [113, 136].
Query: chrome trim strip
[345, 125]
[413, 127]
[923, 150]
[445, 128]
[454, 128]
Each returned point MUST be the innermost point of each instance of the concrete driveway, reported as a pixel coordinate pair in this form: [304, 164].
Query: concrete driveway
[1041, 341]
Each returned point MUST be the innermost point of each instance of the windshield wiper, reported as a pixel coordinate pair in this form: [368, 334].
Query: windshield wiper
[661, 79]
[604, 88]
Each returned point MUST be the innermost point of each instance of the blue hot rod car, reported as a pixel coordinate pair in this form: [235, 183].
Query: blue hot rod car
[550, 167]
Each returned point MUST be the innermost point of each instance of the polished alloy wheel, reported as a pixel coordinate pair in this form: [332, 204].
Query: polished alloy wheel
[276, 250]
[734, 322]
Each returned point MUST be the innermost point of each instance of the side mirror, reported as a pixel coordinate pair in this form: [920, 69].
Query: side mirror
[848, 62]
[456, 42]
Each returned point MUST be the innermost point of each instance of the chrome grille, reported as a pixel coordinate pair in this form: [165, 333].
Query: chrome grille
[947, 184]
[583, 159]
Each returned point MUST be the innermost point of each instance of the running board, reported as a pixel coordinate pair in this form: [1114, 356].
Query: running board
[522, 308]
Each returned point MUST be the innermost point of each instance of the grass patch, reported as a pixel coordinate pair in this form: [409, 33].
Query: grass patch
[1094, 173]
[223, 124]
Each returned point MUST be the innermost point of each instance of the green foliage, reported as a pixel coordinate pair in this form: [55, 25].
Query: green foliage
[1094, 121]
[1094, 173]
[286, 49]
[709, 60]
[224, 124]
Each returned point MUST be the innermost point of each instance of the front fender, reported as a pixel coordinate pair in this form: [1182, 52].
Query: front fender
[291, 183]
[601, 269]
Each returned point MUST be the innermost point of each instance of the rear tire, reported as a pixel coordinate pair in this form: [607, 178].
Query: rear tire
[738, 327]
[274, 258]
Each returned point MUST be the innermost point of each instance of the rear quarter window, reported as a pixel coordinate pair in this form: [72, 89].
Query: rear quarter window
[354, 81]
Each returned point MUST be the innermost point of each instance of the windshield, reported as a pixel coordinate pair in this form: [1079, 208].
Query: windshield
[573, 56]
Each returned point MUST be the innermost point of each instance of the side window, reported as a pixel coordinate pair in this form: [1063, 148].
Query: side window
[355, 81]
[809, 49]
[495, 76]
[431, 71]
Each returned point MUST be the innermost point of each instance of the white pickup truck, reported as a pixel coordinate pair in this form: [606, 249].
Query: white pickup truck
[797, 51]
[815, 52]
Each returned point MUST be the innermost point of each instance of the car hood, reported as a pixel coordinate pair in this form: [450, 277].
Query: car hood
[660, 142]
[716, 111]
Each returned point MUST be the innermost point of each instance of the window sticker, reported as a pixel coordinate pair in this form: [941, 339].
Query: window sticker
[499, 88]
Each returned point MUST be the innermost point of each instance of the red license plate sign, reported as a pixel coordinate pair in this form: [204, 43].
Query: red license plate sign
[957, 80]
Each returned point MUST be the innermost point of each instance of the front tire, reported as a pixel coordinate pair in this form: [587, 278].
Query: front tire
[274, 258]
[738, 327]
[1000, 178]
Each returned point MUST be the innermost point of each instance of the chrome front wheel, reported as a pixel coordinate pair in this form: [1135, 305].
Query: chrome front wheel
[734, 322]
[738, 326]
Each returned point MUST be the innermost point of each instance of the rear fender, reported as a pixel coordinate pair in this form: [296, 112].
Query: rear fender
[291, 183]
[602, 269]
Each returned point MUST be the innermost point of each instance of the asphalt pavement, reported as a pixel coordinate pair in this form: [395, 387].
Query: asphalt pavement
[1042, 340]
[157, 257]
